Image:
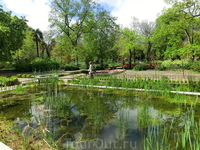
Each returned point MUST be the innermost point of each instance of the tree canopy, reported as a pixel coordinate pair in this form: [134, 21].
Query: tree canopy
[12, 34]
[83, 30]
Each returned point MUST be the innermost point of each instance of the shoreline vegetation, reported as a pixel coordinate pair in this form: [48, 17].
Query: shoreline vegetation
[111, 80]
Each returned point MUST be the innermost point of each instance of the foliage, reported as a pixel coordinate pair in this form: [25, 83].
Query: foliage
[63, 49]
[168, 64]
[128, 45]
[27, 52]
[195, 66]
[8, 81]
[37, 65]
[158, 85]
[140, 67]
[85, 31]
[24, 75]
[160, 67]
[22, 66]
[71, 66]
[37, 36]
[5, 65]
[99, 42]
[44, 64]
[73, 18]
[100, 67]
[179, 29]
[12, 33]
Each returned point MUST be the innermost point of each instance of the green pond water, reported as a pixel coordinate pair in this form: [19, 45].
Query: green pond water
[83, 118]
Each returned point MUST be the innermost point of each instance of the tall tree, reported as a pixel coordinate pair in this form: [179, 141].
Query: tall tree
[63, 49]
[181, 22]
[27, 51]
[102, 38]
[12, 34]
[72, 17]
[37, 38]
[146, 28]
[128, 44]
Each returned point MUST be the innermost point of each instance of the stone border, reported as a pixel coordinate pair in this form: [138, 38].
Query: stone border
[4, 147]
[135, 89]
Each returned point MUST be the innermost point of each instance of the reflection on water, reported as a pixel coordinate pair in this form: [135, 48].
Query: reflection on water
[88, 119]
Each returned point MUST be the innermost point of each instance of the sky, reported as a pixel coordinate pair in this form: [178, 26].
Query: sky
[36, 11]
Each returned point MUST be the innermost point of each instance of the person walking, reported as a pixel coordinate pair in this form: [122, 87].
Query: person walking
[91, 70]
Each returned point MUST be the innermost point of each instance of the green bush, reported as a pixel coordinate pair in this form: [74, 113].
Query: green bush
[8, 81]
[70, 68]
[140, 67]
[22, 66]
[38, 64]
[160, 68]
[99, 67]
[44, 65]
[24, 75]
[82, 65]
[196, 66]
[167, 63]
[176, 64]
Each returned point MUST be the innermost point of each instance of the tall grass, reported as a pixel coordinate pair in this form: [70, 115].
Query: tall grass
[158, 136]
[162, 86]
[175, 136]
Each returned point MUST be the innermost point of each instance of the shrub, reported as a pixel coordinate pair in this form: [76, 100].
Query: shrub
[22, 66]
[167, 63]
[160, 67]
[8, 81]
[82, 65]
[99, 67]
[69, 68]
[24, 75]
[196, 66]
[140, 67]
[114, 65]
[44, 65]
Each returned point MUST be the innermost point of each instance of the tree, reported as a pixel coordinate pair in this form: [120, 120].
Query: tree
[49, 41]
[146, 28]
[72, 17]
[27, 51]
[12, 34]
[37, 36]
[100, 41]
[62, 49]
[187, 23]
[128, 44]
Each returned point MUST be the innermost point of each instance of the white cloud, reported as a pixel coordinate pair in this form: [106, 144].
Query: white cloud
[36, 11]
[141, 9]
[113, 3]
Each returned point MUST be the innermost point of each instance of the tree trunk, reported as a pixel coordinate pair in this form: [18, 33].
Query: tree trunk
[47, 51]
[130, 58]
[134, 56]
[37, 47]
[148, 51]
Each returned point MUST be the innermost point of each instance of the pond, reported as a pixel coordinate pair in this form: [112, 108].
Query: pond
[92, 119]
